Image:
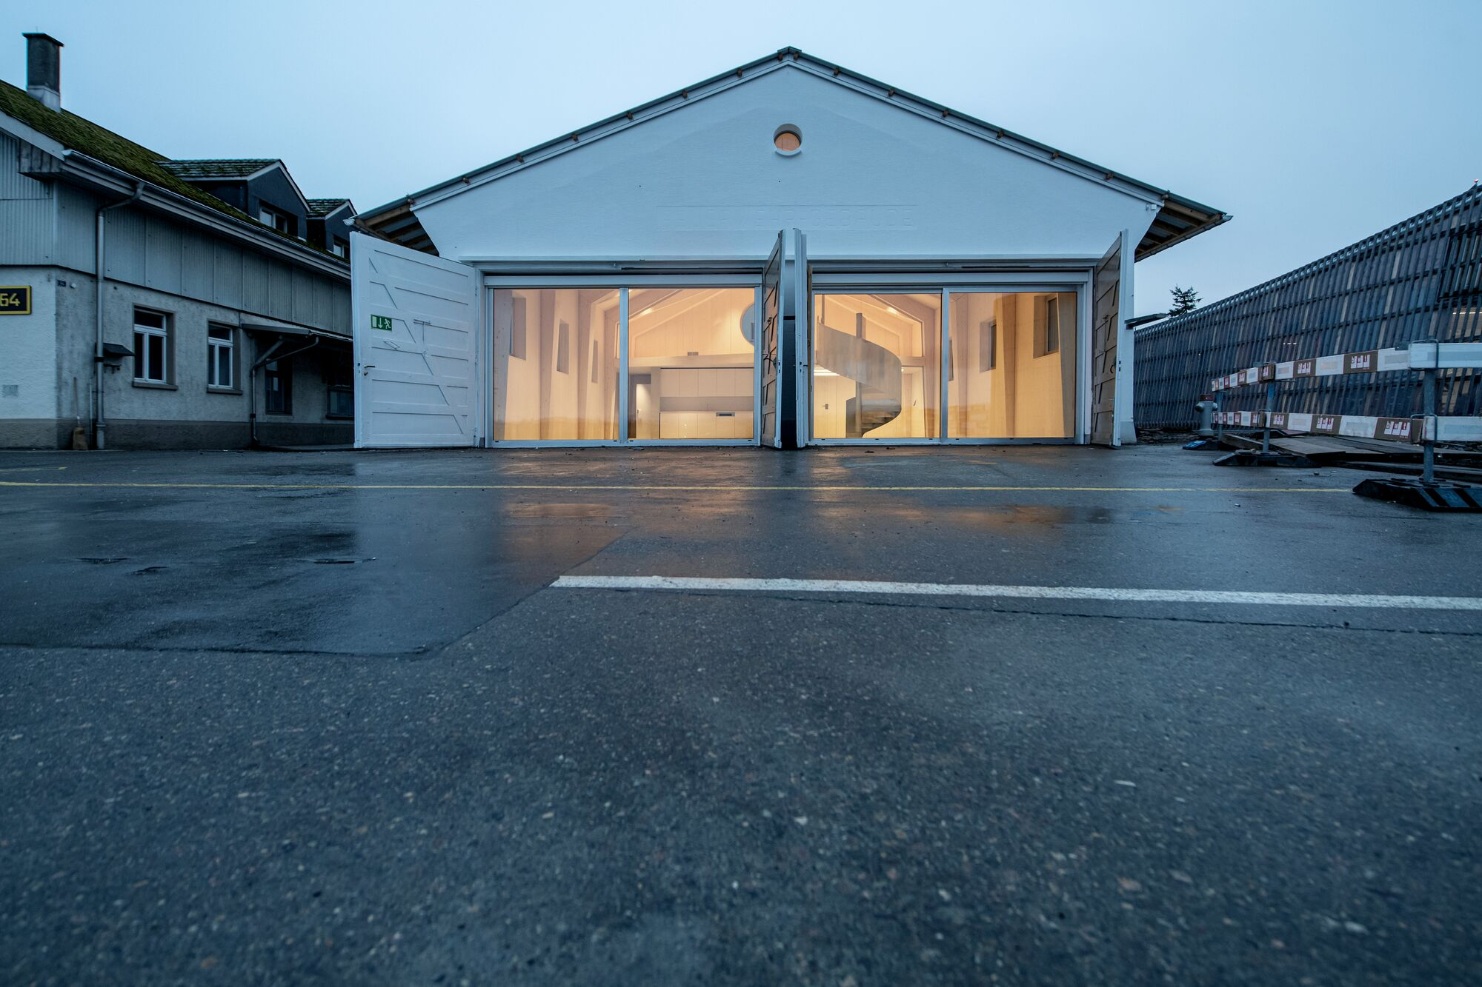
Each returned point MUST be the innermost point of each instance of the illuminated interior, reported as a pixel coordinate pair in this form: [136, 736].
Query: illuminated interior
[690, 363]
[557, 360]
[1013, 365]
[556, 364]
[1011, 368]
[876, 366]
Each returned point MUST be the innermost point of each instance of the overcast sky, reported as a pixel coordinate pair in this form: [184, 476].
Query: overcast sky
[1313, 123]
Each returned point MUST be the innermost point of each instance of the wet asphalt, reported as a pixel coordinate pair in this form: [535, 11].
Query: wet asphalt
[321, 718]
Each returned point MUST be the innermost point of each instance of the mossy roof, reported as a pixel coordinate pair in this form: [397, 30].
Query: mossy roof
[79, 134]
[223, 168]
[323, 207]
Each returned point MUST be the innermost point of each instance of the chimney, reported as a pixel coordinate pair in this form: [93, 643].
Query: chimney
[44, 70]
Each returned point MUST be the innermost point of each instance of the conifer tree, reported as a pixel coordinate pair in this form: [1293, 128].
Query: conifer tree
[1185, 300]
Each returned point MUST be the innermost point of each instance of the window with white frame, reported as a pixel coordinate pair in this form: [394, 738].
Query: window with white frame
[278, 220]
[151, 347]
[221, 373]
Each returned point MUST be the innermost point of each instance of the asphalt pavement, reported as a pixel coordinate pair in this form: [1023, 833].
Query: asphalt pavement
[373, 718]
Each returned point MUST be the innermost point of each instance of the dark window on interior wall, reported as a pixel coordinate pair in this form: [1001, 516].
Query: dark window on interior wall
[518, 310]
[563, 349]
[1047, 326]
[277, 384]
[221, 371]
[151, 347]
[987, 345]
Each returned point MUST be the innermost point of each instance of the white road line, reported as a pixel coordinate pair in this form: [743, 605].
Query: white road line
[836, 586]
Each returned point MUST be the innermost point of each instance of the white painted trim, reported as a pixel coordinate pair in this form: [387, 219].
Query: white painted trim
[15, 128]
[759, 294]
[1093, 593]
[624, 383]
[612, 279]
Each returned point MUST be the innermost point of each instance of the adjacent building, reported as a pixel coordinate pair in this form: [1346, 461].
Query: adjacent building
[147, 302]
[786, 254]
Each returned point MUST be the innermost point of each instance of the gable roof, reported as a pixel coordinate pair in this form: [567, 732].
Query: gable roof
[211, 170]
[206, 169]
[1178, 218]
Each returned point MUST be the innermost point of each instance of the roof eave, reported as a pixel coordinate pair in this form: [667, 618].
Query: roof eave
[90, 173]
[1178, 219]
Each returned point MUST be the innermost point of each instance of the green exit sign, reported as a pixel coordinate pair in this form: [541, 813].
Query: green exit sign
[15, 299]
[381, 322]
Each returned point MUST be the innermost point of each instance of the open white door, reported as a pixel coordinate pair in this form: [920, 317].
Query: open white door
[416, 325]
[1106, 329]
[769, 349]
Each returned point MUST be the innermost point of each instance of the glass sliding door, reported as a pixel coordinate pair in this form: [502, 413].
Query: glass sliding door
[1012, 366]
[691, 364]
[556, 364]
[876, 368]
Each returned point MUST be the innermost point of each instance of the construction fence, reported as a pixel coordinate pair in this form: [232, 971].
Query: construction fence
[1419, 280]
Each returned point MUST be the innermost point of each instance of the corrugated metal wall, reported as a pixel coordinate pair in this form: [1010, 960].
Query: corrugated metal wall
[1417, 280]
[27, 234]
[158, 253]
[44, 223]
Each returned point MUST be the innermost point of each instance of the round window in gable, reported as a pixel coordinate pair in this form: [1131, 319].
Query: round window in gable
[788, 139]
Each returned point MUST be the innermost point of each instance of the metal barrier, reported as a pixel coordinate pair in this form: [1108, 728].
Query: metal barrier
[1427, 429]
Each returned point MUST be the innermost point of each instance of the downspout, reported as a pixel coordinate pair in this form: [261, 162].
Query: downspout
[99, 422]
[262, 361]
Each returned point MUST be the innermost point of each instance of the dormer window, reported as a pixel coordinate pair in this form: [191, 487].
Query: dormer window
[280, 221]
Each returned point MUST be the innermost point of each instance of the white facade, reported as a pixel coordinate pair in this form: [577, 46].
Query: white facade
[909, 216]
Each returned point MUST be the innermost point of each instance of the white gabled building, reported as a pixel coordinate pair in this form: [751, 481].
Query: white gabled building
[788, 254]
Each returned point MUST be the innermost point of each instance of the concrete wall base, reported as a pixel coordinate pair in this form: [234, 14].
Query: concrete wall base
[46, 433]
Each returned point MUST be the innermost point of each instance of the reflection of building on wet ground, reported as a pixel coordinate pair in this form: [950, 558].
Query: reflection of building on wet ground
[1420, 279]
[936, 279]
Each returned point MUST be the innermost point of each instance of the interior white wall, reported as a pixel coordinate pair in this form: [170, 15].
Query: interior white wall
[534, 398]
[1024, 395]
[873, 180]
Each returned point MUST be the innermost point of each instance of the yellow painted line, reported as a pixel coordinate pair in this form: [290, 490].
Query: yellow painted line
[655, 487]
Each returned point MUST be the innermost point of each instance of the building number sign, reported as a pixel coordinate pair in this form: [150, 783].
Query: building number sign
[381, 322]
[15, 300]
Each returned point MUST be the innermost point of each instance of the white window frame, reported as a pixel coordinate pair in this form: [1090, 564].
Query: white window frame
[145, 372]
[279, 220]
[214, 344]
